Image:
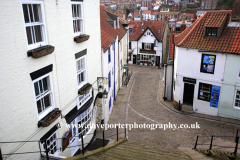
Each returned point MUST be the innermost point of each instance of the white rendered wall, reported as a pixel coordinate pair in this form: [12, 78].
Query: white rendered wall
[187, 64]
[18, 114]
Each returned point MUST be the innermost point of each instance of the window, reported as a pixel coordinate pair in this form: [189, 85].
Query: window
[159, 30]
[109, 80]
[237, 99]
[84, 119]
[130, 30]
[208, 63]
[211, 31]
[52, 144]
[120, 46]
[148, 33]
[130, 45]
[77, 16]
[156, 43]
[81, 71]
[204, 92]
[110, 104]
[142, 30]
[43, 95]
[34, 23]
[109, 55]
[147, 45]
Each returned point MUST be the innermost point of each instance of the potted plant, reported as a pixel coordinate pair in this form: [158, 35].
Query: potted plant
[81, 38]
[41, 51]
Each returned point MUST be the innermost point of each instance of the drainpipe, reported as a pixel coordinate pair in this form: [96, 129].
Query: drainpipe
[165, 75]
[173, 66]
[103, 101]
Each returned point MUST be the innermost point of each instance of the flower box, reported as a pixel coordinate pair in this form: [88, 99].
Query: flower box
[40, 51]
[50, 118]
[84, 89]
[81, 38]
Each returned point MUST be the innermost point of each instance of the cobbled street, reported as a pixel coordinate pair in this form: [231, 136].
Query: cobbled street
[144, 107]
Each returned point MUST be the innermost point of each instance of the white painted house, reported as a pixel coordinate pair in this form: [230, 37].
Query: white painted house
[114, 54]
[146, 42]
[48, 75]
[200, 57]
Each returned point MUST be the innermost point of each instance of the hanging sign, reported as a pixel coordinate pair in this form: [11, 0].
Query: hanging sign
[215, 96]
[190, 80]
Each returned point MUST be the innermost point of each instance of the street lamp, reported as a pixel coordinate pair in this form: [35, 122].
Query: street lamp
[100, 82]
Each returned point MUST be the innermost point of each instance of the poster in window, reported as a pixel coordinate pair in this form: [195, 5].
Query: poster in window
[215, 96]
[208, 63]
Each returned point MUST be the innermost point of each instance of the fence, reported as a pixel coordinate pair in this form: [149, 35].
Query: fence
[46, 150]
[211, 142]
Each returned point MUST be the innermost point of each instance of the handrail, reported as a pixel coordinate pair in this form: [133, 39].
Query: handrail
[45, 142]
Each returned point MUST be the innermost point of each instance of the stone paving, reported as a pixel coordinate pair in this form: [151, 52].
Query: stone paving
[147, 106]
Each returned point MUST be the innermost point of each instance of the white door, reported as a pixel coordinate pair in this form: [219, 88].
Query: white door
[74, 141]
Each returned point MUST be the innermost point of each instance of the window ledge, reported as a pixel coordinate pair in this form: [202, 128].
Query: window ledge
[210, 37]
[41, 51]
[81, 38]
[49, 118]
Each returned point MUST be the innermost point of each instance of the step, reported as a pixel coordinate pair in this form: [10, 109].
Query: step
[143, 153]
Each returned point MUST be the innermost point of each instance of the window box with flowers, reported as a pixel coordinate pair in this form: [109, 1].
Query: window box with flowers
[81, 38]
[50, 118]
[40, 51]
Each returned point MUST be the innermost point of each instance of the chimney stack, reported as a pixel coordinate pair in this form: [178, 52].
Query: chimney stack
[236, 11]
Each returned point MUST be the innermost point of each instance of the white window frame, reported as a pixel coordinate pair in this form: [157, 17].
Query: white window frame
[147, 46]
[234, 100]
[78, 18]
[80, 71]
[57, 144]
[50, 91]
[43, 25]
[85, 130]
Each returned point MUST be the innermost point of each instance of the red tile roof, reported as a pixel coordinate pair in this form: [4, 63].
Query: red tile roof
[146, 12]
[108, 33]
[154, 26]
[193, 36]
[171, 46]
[137, 14]
[187, 15]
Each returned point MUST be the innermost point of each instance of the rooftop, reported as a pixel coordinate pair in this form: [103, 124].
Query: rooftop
[193, 36]
[154, 26]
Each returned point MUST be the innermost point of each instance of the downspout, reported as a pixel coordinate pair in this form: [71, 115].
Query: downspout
[103, 101]
[172, 67]
[165, 75]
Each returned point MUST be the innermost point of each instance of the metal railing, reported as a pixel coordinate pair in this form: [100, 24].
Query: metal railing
[211, 142]
[61, 149]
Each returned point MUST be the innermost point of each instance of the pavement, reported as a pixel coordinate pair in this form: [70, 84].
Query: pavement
[141, 102]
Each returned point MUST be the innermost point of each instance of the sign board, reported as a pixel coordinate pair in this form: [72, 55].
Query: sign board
[190, 80]
[215, 96]
[124, 66]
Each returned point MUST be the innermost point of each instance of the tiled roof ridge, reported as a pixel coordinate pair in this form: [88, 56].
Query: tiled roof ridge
[106, 10]
[191, 29]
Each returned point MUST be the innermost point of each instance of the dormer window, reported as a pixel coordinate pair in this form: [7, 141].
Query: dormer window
[159, 30]
[211, 31]
[142, 30]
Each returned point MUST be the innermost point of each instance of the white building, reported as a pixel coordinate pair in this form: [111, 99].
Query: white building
[114, 54]
[146, 42]
[199, 66]
[48, 87]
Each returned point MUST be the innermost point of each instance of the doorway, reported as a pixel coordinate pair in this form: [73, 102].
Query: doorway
[188, 93]
[134, 59]
[74, 140]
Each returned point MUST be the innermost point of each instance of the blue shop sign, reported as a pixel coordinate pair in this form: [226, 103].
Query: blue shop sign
[215, 96]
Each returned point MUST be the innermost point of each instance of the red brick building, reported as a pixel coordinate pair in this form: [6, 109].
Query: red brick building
[175, 7]
[209, 4]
